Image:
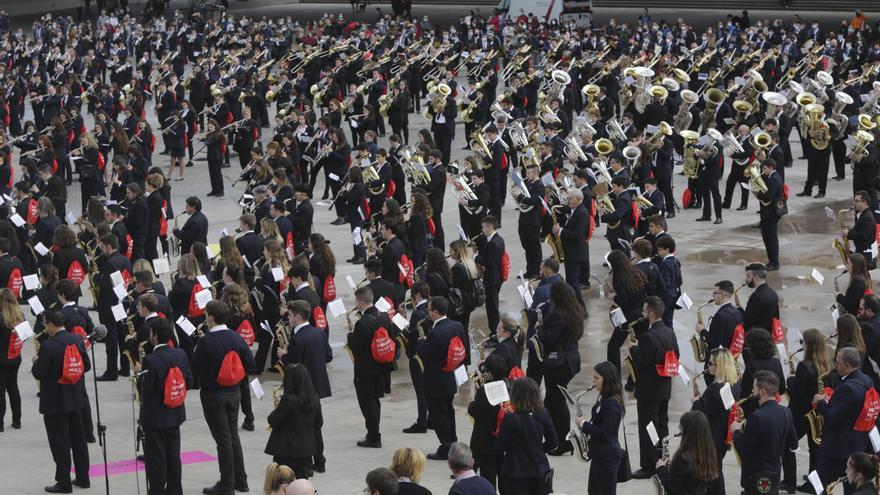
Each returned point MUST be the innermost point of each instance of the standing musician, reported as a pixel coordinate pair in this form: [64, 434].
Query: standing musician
[390, 256]
[619, 221]
[250, 245]
[762, 307]
[443, 127]
[368, 373]
[499, 168]
[762, 441]
[654, 384]
[710, 170]
[159, 420]
[156, 214]
[62, 397]
[244, 135]
[473, 210]
[196, 227]
[769, 215]
[137, 219]
[219, 363]
[436, 191]
[843, 434]
[109, 262]
[628, 286]
[338, 159]
[531, 213]
[721, 373]
[490, 254]
[415, 337]
[606, 417]
[722, 330]
[740, 161]
[863, 234]
[215, 141]
[301, 218]
[575, 246]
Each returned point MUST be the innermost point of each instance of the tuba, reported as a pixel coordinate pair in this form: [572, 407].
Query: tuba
[714, 97]
[743, 110]
[591, 93]
[860, 151]
[683, 118]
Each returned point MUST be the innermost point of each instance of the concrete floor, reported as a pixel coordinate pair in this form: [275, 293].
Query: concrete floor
[708, 252]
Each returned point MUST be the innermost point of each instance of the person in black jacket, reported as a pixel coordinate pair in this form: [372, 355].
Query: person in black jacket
[628, 286]
[295, 422]
[723, 325]
[525, 435]
[156, 215]
[487, 455]
[763, 357]
[859, 284]
[250, 245]
[161, 424]
[368, 373]
[490, 248]
[409, 464]
[769, 217]
[10, 357]
[652, 357]
[694, 466]
[436, 191]
[215, 141]
[862, 470]
[575, 247]
[414, 336]
[655, 284]
[354, 196]
[220, 403]
[61, 403]
[863, 234]
[109, 262]
[602, 428]
[196, 227]
[619, 221]
[137, 219]
[511, 342]
[531, 213]
[762, 307]
[710, 170]
[762, 441]
[562, 329]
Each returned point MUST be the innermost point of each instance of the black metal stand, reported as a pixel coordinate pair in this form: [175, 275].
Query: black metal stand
[102, 429]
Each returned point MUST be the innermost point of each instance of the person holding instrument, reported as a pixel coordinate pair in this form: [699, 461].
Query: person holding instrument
[628, 283]
[859, 284]
[694, 466]
[722, 371]
[602, 428]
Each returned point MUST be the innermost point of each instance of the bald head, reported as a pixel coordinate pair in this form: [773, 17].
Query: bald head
[300, 487]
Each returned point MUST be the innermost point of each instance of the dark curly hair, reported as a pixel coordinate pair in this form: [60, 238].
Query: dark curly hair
[760, 344]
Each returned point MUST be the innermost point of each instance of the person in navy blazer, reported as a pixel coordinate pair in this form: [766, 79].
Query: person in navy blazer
[439, 386]
[602, 430]
[839, 439]
[490, 247]
[160, 423]
[414, 338]
[307, 346]
[60, 404]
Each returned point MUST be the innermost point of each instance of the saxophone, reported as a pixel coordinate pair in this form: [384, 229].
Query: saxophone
[736, 294]
[554, 240]
[836, 486]
[628, 360]
[576, 436]
[539, 325]
[700, 346]
[816, 421]
[477, 377]
[282, 338]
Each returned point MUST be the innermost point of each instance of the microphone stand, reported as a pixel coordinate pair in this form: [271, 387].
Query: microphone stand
[102, 429]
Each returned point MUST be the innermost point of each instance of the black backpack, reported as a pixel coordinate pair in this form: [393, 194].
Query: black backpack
[477, 296]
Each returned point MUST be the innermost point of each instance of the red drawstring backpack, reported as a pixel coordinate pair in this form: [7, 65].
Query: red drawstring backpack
[78, 330]
[329, 292]
[194, 311]
[15, 345]
[455, 354]
[76, 273]
[231, 371]
[73, 368]
[870, 409]
[382, 346]
[175, 388]
[246, 330]
[505, 266]
[738, 340]
[15, 282]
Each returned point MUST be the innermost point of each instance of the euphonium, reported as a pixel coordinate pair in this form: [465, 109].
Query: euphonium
[684, 117]
[816, 421]
[370, 175]
[820, 133]
[690, 163]
[591, 93]
[762, 142]
[655, 142]
[478, 144]
[841, 121]
[573, 151]
[614, 130]
[714, 97]
[547, 115]
[860, 151]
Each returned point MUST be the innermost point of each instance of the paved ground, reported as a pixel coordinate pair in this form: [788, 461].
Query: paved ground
[708, 252]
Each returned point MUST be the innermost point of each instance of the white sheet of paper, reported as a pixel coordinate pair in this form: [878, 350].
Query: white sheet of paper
[203, 297]
[119, 312]
[816, 481]
[835, 314]
[36, 305]
[496, 392]
[461, 375]
[874, 435]
[185, 325]
[851, 246]
[382, 305]
[684, 301]
[17, 220]
[41, 249]
[356, 237]
[461, 234]
[336, 307]
[31, 282]
[210, 252]
[365, 163]
[726, 396]
[70, 218]
[278, 274]
[652, 433]
[203, 281]
[874, 249]
[617, 317]
[224, 233]
[257, 388]
[683, 374]
[830, 213]
[24, 330]
[120, 292]
[333, 177]
[400, 321]
[116, 278]
[160, 266]
[350, 282]
[524, 295]
[817, 276]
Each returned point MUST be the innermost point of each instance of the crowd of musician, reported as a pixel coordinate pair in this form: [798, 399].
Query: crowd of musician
[579, 128]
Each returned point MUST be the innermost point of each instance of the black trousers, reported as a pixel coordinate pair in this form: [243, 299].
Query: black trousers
[534, 365]
[150, 250]
[221, 414]
[531, 244]
[709, 190]
[495, 200]
[492, 306]
[66, 435]
[523, 486]
[789, 461]
[651, 411]
[442, 416]
[244, 158]
[9, 385]
[618, 337]
[602, 479]
[415, 374]
[137, 250]
[368, 389]
[573, 274]
[302, 466]
[556, 406]
[838, 150]
[265, 339]
[489, 467]
[831, 468]
[439, 235]
[216, 177]
[664, 183]
[769, 227]
[162, 461]
[247, 407]
[733, 180]
[111, 345]
[444, 144]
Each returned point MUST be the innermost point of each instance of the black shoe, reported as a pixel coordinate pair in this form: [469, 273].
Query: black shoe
[671, 215]
[717, 221]
[772, 268]
[227, 166]
[372, 444]
[643, 474]
[165, 152]
[416, 428]
[16, 426]
[560, 451]
[806, 487]
[58, 488]
[91, 439]
[212, 193]
[126, 374]
[325, 196]
[338, 221]
[249, 426]
[357, 261]
[82, 484]
[1, 428]
[838, 177]
[786, 487]
[434, 456]
[108, 377]
[630, 385]
[219, 195]
[704, 219]
[319, 468]
[804, 194]
[141, 458]
[741, 208]
[217, 489]
[242, 487]
[820, 195]
[189, 164]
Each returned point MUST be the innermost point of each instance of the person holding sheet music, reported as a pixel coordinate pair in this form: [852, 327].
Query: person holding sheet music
[10, 357]
[603, 430]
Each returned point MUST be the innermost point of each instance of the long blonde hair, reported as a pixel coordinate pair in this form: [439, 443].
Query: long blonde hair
[459, 247]
[9, 309]
[269, 230]
[188, 267]
[725, 366]
[277, 475]
[277, 255]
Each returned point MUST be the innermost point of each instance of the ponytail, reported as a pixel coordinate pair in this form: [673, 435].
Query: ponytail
[277, 475]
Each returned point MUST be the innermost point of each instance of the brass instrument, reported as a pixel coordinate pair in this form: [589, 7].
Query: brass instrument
[603, 201]
[836, 486]
[695, 383]
[860, 148]
[699, 345]
[350, 322]
[462, 190]
[591, 93]
[819, 131]
[761, 142]
[477, 377]
[736, 294]
[282, 337]
[437, 93]
[370, 175]
[554, 240]
[132, 333]
[604, 147]
[655, 142]
[573, 151]
[743, 110]
[684, 117]
[614, 130]
[690, 163]
[631, 328]
[173, 240]
[714, 97]
[816, 421]
[837, 117]
[478, 145]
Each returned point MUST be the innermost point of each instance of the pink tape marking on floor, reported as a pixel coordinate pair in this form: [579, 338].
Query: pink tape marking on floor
[132, 465]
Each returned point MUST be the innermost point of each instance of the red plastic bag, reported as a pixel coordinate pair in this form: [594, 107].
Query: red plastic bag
[455, 354]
